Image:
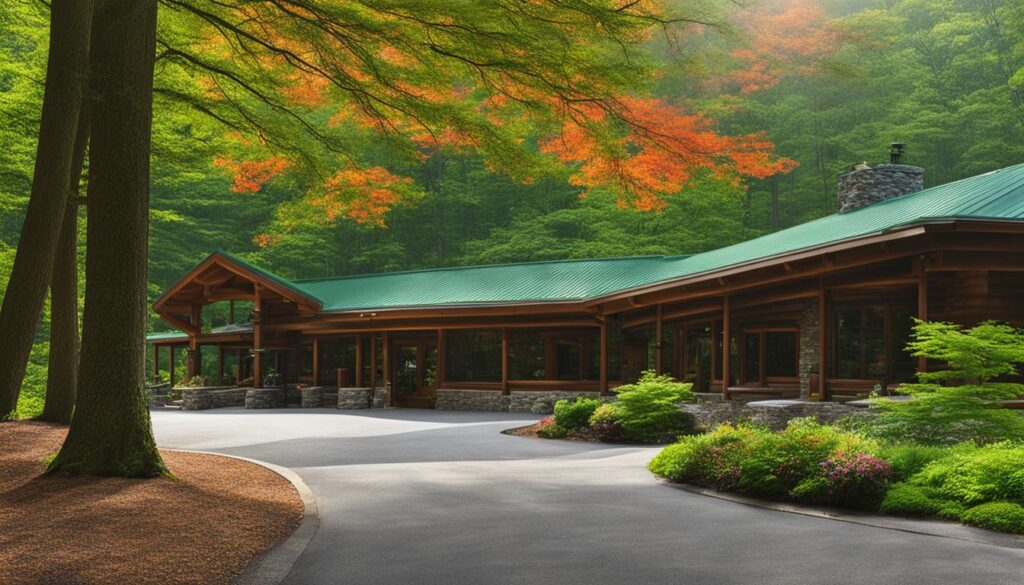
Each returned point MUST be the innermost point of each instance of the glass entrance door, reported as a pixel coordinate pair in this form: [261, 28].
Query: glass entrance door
[415, 373]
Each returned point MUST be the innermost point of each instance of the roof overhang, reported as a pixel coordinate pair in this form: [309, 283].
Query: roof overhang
[222, 278]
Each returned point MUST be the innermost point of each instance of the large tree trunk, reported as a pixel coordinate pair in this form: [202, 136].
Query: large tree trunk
[62, 374]
[62, 99]
[110, 433]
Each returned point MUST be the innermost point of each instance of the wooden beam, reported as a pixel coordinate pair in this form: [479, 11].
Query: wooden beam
[156, 363]
[170, 365]
[387, 368]
[192, 366]
[220, 366]
[373, 360]
[726, 347]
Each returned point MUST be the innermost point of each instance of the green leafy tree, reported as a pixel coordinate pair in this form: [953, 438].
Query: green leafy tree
[961, 402]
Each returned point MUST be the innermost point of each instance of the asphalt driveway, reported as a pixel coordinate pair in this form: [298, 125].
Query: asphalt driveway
[427, 497]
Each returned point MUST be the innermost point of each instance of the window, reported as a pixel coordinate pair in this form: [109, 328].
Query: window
[525, 355]
[751, 357]
[870, 340]
[473, 356]
[568, 354]
[781, 354]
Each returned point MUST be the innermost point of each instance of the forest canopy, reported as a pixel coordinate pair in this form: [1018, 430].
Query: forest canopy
[318, 150]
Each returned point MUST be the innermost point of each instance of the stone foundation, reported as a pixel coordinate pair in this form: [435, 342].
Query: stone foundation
[312, 397]
[485, 400]
[206, 397]
[380, 397]
[354, 398]
[809, 339]
[266, 398]
[773, 414]
[542, 402]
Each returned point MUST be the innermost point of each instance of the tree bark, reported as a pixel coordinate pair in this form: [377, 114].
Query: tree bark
[62, 372]
[110, 432]
[62, 99]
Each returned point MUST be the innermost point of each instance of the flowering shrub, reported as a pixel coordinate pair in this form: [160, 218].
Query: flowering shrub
[805, 462]
[549, 429]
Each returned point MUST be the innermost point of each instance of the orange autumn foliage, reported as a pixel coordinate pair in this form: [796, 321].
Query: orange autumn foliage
[656, 150]
[792, 37]
[364, 195]
[250, 176]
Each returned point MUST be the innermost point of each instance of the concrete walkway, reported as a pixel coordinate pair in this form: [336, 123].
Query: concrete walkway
[426, 497]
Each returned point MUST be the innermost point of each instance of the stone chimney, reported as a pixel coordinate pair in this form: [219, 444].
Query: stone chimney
[865, 184]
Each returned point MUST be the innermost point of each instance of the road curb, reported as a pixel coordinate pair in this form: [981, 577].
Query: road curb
[937, 528]
[273, 566]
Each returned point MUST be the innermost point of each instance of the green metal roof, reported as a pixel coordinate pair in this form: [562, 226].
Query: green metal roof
[998, 195]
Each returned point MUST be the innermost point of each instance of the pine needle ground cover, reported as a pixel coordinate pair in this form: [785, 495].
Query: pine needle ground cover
[204, 526]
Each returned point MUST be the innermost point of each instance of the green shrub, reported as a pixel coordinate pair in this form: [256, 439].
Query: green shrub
[806, 462]
[548, 429]
[904, 499]
[604, 424]
[1001, 516]
[975, 476]
[574, 414]
[908, 459]
[648, 411]
[959, 402]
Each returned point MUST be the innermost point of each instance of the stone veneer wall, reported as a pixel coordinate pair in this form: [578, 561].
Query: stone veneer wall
[870, 185]
[354, 398]
[266, 398]
[710, 411]
[542, 402]
[810, 330]
[535, 401]
[484, 400]
[312, 397]
[206, 397]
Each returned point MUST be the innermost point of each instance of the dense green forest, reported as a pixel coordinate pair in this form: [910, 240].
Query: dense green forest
[830, 82]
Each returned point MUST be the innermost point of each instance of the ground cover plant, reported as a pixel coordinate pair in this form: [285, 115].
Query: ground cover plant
[644, 412]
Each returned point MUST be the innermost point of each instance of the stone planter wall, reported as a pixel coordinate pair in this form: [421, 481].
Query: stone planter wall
[542, 402]
[380, 397]
[312, 397]
[206, 397]
[266, 398]
[354, 398]
[482, 400]
[774, 414]
[330, 397]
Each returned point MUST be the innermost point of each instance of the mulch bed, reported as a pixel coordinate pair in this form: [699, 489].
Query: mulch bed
[531, 432]
[203, 526]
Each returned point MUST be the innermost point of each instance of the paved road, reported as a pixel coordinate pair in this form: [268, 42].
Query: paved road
[426, 497]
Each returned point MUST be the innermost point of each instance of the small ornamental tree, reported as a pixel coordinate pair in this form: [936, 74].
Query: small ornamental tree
[960, 402]
[648, 410]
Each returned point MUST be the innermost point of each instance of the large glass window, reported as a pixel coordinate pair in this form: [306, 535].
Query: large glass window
[568, 353]
[751, 357]
[780, 352]
[870, 341]
[473, 356]
[525, 355]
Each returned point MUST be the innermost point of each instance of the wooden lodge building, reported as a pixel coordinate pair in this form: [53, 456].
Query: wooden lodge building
[822, 308]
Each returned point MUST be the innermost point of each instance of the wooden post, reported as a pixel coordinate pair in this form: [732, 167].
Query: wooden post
[604, 356]
[373, 360]
[192, 365]
[316, 360]
[922, 306]
[823, 328]
[440, 358]
[726, 347]
[385, 339]
[170, 364]
[714, 351]
[359, 361]
[658, 333]
[504, 361]
[156, 363]
[220, 366]
[231, 311]
[257, 337]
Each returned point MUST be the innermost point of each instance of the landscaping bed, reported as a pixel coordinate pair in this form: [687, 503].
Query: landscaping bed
[205, 525]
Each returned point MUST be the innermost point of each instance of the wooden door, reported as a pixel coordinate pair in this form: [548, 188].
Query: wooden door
[414, 372]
